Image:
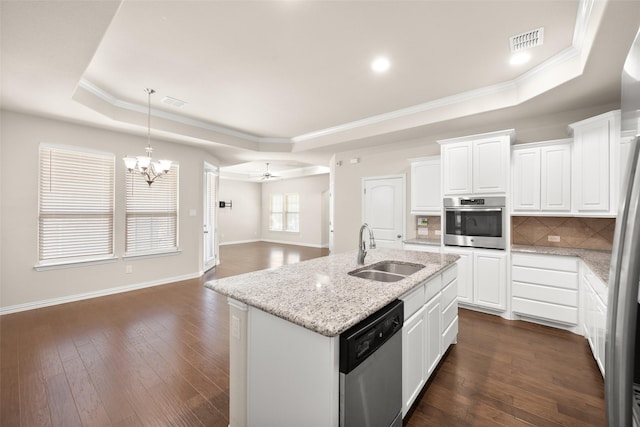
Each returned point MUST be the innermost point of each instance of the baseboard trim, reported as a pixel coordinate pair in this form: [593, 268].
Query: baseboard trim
[88, 295]
[285, 242]
[237, 242]
[281, 242]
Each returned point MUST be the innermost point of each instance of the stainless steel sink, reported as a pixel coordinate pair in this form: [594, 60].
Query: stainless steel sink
[397, 267]
[380, 276]
[387, 271]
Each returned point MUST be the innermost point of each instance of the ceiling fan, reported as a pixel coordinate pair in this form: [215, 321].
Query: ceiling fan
[267, 174]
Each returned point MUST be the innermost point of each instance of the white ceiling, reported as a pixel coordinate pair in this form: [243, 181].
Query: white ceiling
[289, 82]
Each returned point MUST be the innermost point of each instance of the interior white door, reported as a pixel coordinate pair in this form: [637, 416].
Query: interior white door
[384, 209]
[209, 217]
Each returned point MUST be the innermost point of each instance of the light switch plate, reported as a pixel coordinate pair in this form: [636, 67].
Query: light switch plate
[554, 239]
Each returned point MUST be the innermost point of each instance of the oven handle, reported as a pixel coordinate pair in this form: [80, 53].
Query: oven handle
[474, 209]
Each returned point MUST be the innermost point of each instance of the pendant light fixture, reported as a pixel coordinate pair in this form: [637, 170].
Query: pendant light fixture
[147, 167]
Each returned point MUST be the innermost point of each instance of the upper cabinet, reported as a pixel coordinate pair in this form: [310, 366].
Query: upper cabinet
[426, 196]
[596, 165]
[477, 164]
[542, 177]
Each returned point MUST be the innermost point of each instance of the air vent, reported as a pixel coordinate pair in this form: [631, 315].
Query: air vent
[527, 40]
[173, 102]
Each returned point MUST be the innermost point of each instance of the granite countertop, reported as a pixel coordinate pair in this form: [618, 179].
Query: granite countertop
[319, 294]
[422, 241]
[598, 261]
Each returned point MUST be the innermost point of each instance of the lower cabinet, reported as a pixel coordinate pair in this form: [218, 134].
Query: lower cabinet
[430, 326]
[545, 287]
[482, 277]
[413, 358]
[433, 316]
[595, 314]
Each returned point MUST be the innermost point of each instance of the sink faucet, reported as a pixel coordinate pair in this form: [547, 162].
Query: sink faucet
[361, 246]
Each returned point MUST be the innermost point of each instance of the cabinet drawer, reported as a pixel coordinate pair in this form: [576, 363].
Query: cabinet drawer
[449, 274]
[449, 336]
[548, 262]
[449, 293]
[432, 287]
[545, 310]
[448, 314]
[559, 279]
[545, 294]
[413, 301]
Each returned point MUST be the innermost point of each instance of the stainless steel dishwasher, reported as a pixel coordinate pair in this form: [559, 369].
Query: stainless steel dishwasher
[371, 370]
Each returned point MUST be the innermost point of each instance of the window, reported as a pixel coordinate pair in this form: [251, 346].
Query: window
[152, 214]
[284, 212]
[75, 205]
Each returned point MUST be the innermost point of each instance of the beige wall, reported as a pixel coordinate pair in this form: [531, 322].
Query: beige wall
[21, 285]
[311, 208]
[348, 187]
[242, 222]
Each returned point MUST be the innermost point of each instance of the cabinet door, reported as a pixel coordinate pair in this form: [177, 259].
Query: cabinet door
[413, 358]
[433, 336]
[490, 279]
[591, 146]
[465, 273]
[425, 187]
[456, 165]
[555, 191]
[526, 179]
[490, 166]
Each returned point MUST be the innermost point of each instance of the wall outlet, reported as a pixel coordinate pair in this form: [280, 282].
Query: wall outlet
[128, 268]
[423, 231]
[438, 232]
[554, 239]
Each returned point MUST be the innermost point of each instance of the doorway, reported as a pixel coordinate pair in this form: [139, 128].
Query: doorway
[209, 216]
[383, 208]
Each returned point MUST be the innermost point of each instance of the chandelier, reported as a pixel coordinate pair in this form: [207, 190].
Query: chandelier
[147, 167]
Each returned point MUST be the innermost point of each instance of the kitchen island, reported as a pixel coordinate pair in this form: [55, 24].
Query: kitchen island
[285, 325]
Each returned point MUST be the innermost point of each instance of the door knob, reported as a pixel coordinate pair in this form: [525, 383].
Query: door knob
[399, 236]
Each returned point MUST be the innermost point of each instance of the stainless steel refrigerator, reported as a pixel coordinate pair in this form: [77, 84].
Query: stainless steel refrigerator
[622, 354]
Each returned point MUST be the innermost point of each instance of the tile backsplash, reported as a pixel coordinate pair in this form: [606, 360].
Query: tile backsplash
[573, 232]
[433, 224]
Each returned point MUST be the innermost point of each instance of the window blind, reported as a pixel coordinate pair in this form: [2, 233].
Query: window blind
[152, 214]
[76, 205]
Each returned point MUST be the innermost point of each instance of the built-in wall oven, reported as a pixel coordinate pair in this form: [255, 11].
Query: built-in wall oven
[478, 222]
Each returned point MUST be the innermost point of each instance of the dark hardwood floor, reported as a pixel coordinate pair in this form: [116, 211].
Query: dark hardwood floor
[159, 356]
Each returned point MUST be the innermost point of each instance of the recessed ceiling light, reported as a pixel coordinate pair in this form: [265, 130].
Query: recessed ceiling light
[380, 64]
[519, 58]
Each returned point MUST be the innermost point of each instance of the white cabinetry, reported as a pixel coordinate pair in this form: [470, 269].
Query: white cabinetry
[433, 344]
[542, 177]
[426, 197]
[596, 164]
[545, 287]
[430, 326]
[482, 277]
[477, 164]
[413, 358]
[490, 279]
[595, 316]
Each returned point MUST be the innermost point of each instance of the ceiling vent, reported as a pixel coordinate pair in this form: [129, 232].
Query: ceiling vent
[173, 102]
[527, 40]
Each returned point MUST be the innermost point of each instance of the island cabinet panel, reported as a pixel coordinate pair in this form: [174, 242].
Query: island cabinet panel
[293, 374]
[433, 343]
[413, 358]
[428, 331]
